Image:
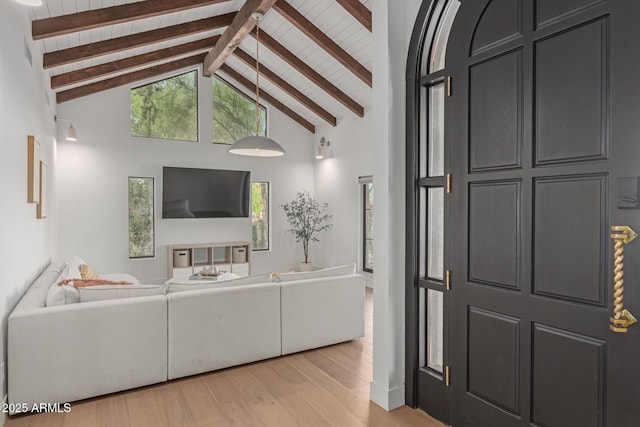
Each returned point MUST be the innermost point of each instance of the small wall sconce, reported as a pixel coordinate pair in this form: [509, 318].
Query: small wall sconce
[70, 134]
[323, 149]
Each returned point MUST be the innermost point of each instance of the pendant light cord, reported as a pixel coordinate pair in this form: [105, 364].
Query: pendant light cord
[257, 77]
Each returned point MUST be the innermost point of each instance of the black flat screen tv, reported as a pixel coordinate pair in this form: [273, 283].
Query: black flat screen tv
[205, 193]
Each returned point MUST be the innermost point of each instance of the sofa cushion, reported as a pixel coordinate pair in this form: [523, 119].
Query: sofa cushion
[343, 270]
[99, 293]
[66, 293]
[251, 280]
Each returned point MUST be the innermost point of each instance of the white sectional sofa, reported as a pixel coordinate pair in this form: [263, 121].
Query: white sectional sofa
[64, 353]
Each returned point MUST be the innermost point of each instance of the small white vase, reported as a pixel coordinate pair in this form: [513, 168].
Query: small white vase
[306, 266]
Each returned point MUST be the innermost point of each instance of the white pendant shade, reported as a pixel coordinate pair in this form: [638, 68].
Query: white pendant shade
[31, 2]
[259, 146]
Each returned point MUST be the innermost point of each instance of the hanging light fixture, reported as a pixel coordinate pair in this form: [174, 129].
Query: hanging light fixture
[256, 145]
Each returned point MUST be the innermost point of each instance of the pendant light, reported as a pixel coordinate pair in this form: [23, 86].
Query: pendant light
[256, 145]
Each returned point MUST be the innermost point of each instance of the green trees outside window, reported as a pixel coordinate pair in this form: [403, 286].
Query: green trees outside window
[367, 232]
[234, 114]
[167, 109]
[260, 216]
[141, 214]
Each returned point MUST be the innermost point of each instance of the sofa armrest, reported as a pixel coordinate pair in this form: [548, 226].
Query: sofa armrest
[323, 311]
[66, 353]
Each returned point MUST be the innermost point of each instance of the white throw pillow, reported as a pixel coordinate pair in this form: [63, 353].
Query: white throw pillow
[105, 292]
[251, 280]
[65, 294]
[343, 270]
[76, 262]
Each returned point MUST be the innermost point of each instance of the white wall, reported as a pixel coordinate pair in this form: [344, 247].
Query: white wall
[26, 243]
[336, 182]
[93, 172]
[392, 25]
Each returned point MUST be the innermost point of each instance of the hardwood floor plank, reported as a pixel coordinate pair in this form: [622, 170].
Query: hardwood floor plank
[143, 407]
[112, 412]
[204, 408]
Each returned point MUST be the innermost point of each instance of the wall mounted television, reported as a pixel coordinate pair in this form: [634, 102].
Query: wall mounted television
[205, 193]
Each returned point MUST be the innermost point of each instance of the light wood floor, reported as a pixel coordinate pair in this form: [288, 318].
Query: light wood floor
[323, 387]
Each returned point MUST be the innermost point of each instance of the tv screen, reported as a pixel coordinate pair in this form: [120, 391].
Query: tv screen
[205, 193]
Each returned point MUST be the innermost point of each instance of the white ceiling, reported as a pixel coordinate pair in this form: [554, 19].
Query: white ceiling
[327, 15]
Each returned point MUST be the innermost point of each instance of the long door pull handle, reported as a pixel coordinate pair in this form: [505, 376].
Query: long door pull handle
[622, 318]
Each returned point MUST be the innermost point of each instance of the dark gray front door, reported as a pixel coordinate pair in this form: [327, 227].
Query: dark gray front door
[544, 121]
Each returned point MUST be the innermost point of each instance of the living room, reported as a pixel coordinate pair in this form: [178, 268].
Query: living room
[87, 180]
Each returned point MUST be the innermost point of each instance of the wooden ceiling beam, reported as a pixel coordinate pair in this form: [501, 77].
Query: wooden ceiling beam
[311, 74]
[67, 24]
[119, 44]
[287, 87]
[242, 25]
[91, 73]
[156, 70]
[270, 99]
[358, 11]
[299, 21]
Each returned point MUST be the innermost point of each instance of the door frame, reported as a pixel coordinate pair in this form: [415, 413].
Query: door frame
[420, 37]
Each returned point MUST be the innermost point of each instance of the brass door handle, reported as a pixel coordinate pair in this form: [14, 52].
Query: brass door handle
[622, 318]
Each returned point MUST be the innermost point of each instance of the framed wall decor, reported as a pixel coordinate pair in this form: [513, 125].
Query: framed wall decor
[41, 210]
[33, 170]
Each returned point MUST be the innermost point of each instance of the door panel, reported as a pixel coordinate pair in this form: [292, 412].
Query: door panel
[571, 95]
[542, 121]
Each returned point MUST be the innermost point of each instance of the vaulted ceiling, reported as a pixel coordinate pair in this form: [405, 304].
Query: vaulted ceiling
[315, 55]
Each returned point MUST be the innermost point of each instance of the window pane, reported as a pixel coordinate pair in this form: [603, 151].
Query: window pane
[234, 114]
[435, 233]
[436, 130]
[167, 109]
[439, 46]
[435, 342]
[367, 263]
[260, 216]
[141, 213]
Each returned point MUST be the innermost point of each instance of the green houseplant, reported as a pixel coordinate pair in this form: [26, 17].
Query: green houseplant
[307, 217]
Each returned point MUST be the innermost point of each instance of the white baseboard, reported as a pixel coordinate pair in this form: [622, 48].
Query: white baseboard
[3, 415]
[387, 399]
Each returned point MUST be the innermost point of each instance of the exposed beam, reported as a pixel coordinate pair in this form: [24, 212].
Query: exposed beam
[91, 73]
[299, 21]
[270, 99]
[91, 88]
[358, 11]
[242, 25]
[287, 87]
[287, 56]
[118, 44]
[67, 24]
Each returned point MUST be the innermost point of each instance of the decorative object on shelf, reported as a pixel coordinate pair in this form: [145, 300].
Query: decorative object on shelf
[324, 149]
[70, 134]
[256, 145]
[307, 217]
[41, 209]
[33, 170]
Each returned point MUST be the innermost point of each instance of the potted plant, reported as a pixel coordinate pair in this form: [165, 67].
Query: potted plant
[307, 217]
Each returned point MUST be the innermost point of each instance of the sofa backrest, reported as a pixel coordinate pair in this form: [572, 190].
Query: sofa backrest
[343, 270]
[36, 294]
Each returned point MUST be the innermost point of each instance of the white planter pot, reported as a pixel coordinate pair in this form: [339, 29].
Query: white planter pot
[306, 266]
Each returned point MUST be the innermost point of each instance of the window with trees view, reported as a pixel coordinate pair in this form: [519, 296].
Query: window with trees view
[367, 232]
[260, 216]
[141, 212]
[167, 109]
[234, 114]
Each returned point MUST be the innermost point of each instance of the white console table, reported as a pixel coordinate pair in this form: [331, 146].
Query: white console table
[186, 259]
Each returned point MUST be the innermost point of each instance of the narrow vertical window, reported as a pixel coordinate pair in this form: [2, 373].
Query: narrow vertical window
[367, 232]
[260, 216]
[141, 214]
